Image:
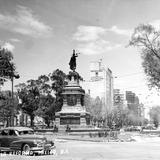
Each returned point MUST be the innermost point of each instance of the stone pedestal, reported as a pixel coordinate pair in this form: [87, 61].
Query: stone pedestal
[73, 111]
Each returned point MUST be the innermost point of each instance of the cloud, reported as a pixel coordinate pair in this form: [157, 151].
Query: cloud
[88, 33]
[91, 40]
[8, 46]
[125, 32]
[25, 23]
[14, 40]
[156, 24]
[97, 47]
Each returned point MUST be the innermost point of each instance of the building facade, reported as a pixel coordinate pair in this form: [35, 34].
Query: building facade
[118, 98]
[133, 102]
[100, 84]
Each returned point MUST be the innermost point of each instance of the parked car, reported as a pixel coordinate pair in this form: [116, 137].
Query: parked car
[25, 140]
[132, 128]
[149, 127]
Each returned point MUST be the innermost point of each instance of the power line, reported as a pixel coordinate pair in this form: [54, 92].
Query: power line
[128, 75]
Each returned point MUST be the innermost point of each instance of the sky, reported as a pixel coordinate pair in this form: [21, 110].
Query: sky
[42, 34]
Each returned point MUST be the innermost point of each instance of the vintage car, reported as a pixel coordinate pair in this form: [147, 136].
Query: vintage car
[25, 140]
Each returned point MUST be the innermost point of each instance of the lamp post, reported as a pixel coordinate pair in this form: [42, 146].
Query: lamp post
[13, 75]
[8, 71]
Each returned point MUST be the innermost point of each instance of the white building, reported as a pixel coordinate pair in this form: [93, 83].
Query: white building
[100, 84]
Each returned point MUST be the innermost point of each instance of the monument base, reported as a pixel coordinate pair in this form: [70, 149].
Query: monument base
[73, 112]
[72, 118]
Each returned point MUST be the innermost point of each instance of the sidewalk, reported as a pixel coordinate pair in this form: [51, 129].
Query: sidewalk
[87, 138]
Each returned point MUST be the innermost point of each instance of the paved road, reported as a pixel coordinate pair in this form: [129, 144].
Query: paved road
[78, 150]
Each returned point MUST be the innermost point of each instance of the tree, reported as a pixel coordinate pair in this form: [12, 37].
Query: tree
[8, 107]
[97, 109]
[109, 118]
[155, 115]
[58, 79]
[36, 96]
[116, 116]
[94, 107]
[43, 84]
[88, 102]
[7, 67]
[147, 38]
[29, 95]
[47, 106]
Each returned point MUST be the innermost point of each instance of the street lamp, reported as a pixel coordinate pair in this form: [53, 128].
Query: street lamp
[12, 76]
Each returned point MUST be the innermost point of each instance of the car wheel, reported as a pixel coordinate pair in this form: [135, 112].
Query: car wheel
[26, 149]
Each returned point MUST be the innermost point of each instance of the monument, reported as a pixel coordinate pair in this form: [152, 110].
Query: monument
[73, 112]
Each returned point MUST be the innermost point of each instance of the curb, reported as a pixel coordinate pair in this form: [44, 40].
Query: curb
[87, 140]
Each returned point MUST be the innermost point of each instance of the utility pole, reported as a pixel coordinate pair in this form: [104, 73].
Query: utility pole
[12, 98]
[10, 75]
[13, 75]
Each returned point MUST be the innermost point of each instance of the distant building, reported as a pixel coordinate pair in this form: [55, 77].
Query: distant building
[130, 97]
[119, 97]
[133, 102]
[100, 84]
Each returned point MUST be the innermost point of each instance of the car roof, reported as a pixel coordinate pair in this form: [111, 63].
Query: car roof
[19, 128]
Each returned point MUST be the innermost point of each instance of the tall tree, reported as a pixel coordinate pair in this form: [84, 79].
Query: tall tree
[7, 67]
[58, 79]
[155, 115]
[8, 107]
[43, 84]
[94, 107]
[147, 38]
[46, 108]
[29, 95]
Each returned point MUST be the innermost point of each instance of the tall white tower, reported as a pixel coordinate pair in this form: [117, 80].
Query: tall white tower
[101, 84]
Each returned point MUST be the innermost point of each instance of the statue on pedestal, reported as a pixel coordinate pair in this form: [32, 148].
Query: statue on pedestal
[72, 62]
[73, 112]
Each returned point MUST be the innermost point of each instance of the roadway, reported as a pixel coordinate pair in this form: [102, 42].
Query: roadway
[82, 150]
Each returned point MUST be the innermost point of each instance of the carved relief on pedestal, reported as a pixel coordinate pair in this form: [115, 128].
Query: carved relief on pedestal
[71, 100]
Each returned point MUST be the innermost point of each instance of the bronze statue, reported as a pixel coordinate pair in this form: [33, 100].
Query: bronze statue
[72, 62]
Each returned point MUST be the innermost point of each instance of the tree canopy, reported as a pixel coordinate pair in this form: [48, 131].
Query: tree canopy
[7, 67]
[147, 39]
[47, 105]
[29, 95]
[155, 115]
[8, 107]
[37, 97]
[58, 80]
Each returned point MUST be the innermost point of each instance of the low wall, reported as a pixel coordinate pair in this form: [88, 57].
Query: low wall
[150, 132]
[88, 130]
[77, 131]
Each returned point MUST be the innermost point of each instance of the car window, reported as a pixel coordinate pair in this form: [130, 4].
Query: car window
[4, 132]
[12, 133]
[26, 132]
